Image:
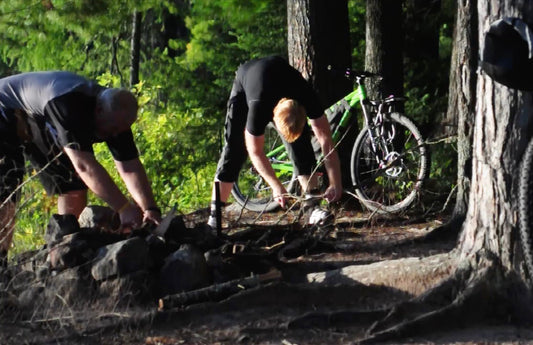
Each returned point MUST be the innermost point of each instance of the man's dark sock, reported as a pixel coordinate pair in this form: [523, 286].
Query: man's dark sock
[3, 259]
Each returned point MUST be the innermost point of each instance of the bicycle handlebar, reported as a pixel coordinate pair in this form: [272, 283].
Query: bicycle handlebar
[354, 75]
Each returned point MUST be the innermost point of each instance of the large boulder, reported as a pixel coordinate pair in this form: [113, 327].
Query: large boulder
[72, 286]
[135, 289]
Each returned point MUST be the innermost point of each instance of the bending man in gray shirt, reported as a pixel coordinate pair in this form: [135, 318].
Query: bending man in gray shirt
[53, 119]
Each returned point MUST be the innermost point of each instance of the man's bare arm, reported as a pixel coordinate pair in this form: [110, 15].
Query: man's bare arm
[254, 146]
[134, 176]
[96, 177]
[322, 132]
[98, 180]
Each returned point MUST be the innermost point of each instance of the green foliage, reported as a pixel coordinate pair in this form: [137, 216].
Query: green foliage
[357, 10]
[33, 213]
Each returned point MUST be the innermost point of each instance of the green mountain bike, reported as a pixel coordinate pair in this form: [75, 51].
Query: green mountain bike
[388, 162]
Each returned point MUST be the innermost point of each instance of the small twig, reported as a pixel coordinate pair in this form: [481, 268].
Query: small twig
[448, 199]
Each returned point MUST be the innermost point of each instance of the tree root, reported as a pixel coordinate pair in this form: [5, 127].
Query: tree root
[476, 293]
[447, 231]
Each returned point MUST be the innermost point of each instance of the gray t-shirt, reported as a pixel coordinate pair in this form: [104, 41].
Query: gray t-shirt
[32, 91]
[64, 103]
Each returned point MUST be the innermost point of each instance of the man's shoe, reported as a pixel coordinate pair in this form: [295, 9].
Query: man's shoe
[320, 216]
[212, 222]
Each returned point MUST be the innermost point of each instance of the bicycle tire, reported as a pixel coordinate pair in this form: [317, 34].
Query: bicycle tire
[525, 201]
[394, 187]
[250, 190]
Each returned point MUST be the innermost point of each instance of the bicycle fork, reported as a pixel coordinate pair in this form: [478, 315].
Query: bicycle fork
[381, 139]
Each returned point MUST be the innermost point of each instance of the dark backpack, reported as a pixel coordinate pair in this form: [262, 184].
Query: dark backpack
[507, 55]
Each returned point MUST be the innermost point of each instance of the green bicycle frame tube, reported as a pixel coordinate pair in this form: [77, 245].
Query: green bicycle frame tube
[354, 97]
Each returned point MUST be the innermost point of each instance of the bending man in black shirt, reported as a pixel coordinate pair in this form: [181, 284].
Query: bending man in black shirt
[53, 118]
[265, 90]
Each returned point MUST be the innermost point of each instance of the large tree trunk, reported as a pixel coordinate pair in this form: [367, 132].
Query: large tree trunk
[384, 46]
[318, 37]
[500, 135]
[299, 39]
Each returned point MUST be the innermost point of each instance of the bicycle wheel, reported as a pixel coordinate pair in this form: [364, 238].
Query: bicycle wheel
[250, 190]
[525, 201]
[388, 175]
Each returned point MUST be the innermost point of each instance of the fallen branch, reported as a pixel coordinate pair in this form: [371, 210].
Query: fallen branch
[216, 292]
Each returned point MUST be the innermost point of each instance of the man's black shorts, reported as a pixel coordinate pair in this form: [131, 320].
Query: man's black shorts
[26, 138]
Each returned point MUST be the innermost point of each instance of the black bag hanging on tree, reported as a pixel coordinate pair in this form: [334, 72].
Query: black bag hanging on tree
[507, 55]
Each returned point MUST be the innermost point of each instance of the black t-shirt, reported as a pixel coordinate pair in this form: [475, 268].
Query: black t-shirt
[263, 82]
[65, 103]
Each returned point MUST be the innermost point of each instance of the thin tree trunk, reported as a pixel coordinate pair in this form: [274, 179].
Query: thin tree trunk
[462, 97]
[135, 51]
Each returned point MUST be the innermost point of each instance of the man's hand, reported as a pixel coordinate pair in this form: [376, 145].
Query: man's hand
[333, 194]
[281, 200]
[280, 196]
[131, 217]
[254, 145]
[152, 215]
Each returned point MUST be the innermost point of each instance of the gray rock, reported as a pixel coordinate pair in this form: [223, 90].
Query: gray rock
[184, 270]
[8, 303]
[22, 279]
[59, 226]
[72, 286]
[32, 296]
[131, 290]
[121, 258]
[72, 251]
[32, 260]
[99, 217]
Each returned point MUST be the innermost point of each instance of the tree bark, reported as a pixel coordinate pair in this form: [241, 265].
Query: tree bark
[299, 39]
[384, 46]
[318, 37]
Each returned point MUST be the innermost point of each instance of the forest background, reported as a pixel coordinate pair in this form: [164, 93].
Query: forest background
[187, 56]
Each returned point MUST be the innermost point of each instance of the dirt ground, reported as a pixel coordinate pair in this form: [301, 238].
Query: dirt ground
[268, 313]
